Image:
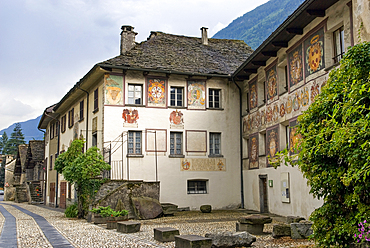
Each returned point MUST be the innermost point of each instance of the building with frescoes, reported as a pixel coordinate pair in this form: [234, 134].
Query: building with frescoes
[163, 110]
[280, 80]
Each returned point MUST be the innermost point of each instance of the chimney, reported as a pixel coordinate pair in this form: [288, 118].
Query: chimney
[204, 36]
[127, 38]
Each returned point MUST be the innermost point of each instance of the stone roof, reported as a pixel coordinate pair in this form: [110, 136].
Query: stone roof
[175, 53]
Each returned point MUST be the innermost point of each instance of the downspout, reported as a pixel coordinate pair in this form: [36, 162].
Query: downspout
[87, 114]
[46, 169]
[241, 144]
[58, 148]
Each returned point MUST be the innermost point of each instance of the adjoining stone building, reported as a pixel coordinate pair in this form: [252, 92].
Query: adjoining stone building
[280, 80]
[163, 110]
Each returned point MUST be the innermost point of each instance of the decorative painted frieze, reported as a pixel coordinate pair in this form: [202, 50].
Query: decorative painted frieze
[203, 164]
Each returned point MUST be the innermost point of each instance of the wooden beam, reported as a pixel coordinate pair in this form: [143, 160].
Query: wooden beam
[280, 43]
[270, 53]
[250, 70]
[316, 12]
[294, 30]
[260, 63]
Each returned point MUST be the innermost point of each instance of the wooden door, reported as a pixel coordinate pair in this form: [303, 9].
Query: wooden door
[63, 192]
[52, 194]
[263, 194]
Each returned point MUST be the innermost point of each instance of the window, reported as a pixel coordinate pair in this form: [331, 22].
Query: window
[96, 98]
[94, 139]
[176, 96]
[197, 186]
[81, 110]
[71, 118]
[52, 130]
[63, 123]
[338, 44]
[175, 143]
[134, 143]
[214, 144]
[214, 98]
[51, 162]
[135, 94]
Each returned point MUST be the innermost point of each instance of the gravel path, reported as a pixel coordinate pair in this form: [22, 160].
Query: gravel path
[80, 233]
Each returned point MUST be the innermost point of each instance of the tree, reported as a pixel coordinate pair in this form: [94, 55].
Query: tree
[16, 139]
[3, 143]
[82, 170]
[335, 150]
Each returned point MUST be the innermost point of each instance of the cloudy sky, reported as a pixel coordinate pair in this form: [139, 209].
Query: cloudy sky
[46, 46]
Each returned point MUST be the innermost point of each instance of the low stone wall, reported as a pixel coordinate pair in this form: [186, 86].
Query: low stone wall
[112, 191]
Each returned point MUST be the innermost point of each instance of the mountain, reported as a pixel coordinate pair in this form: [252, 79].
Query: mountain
[29, 130]
[256, 25]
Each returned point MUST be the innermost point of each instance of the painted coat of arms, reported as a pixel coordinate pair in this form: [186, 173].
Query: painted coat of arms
[156, 92]
[253, 100]
[272, 143]
[253, 151]
[271, 81]
[196, 95]
[113, 89]
[294, 138]
[314, 52]
[295, 63]
[130, 116]
[176, 117]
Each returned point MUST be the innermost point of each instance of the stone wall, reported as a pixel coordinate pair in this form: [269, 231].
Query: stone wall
[112, 191]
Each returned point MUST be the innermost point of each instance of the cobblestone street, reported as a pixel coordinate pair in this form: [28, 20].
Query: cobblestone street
[26, 225]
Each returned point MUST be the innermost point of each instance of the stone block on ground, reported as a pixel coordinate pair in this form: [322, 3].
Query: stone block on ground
[230, 239]
[169, 208]
[192, 241]
[206, 208]
[146, 207]
[99, 220]
[256, 229]
[293, 219]
[165, 234]
[301, 230]
[255, 219]
[128, 226]
[280, 230]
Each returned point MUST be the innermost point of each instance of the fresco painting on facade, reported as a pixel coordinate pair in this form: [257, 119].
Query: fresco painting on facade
[176, 117]
[253, 99]
[113, 89]
[296, 103]
[305, 97]
[130, 116]
[275, 112]
[295, 65]
[253, 151]
[269, 114]
[271, 84]
[282, 109]
[203, 164]
[314, 52]
[289, 105]
[314, 91]
[272, 143]
[294, 137]
[76, 130]
[196, 94]
[156, 91]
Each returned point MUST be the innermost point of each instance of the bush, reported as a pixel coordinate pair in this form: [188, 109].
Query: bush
[71, 211]
[108, 212]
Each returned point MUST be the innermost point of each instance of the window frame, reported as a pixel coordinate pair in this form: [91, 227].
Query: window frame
[338, 55]
[176, 94]
[196, 187]
[71, 118]
[82, 106]
[96, 100]
[134, 93]
[134, 143]
[212, 144]
[173, 140]
[212, 100]
[63, 122]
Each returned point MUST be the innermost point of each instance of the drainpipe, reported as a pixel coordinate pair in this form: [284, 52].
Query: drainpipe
[87, 115]
[58, 149]
[241, 144]
[46, 169]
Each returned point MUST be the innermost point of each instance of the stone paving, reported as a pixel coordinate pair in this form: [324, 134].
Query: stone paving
[34, 225]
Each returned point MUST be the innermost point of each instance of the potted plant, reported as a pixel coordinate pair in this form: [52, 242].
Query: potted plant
[106, 215]
[100, 214]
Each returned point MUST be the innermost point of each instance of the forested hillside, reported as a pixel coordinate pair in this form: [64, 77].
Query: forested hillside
[29, 130]
[255, 26]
